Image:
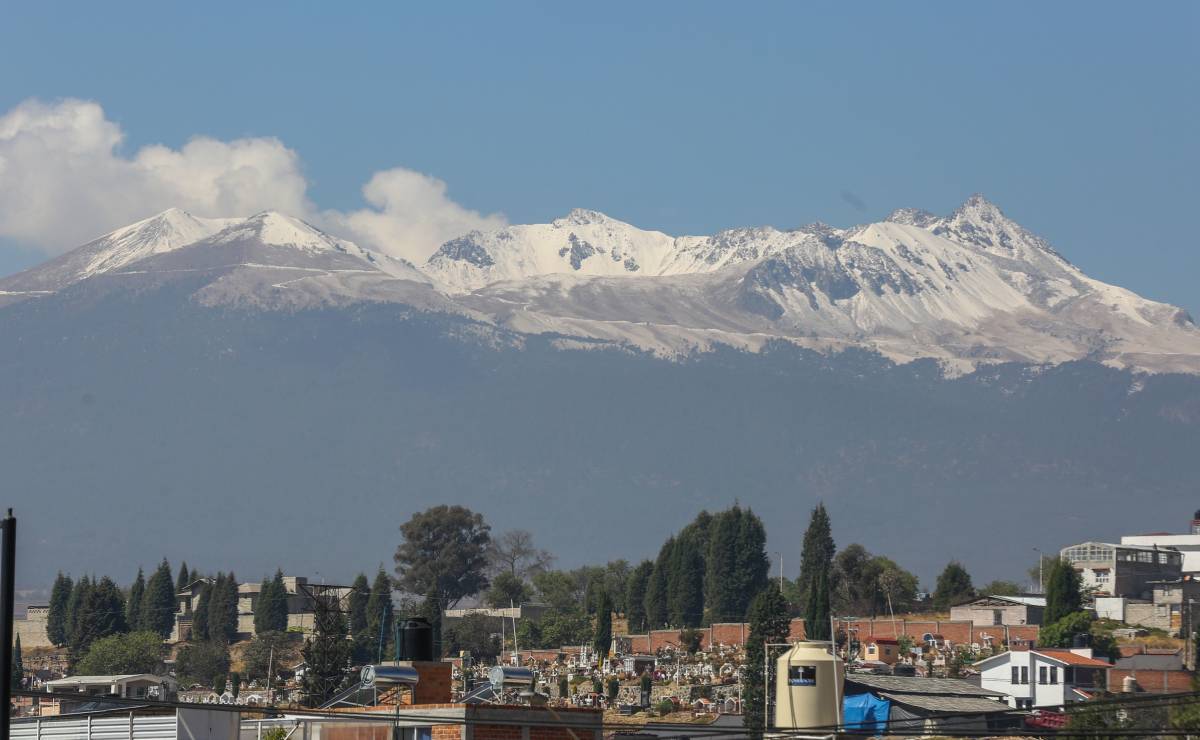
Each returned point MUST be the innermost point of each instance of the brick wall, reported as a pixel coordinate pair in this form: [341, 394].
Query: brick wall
[956, 631]
[1152, 682]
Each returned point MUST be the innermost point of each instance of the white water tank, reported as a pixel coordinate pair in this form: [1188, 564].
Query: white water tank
[808, 687]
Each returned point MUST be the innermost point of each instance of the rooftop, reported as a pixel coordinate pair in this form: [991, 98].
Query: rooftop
[930, 703]
[911, 685]
[1066, 656]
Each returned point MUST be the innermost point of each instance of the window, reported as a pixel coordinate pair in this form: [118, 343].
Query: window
[1042, 675]
[1053, 674]
[1102, 576]
[1024, 674]
[1016, 675]
[997, 616]
[1068, 675]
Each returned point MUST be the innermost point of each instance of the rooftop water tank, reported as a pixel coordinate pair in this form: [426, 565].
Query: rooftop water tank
[388, 675]
[808, 687]
[416, 640]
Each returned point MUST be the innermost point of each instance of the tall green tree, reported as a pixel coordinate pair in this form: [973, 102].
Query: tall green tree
[736, 564]
[635, 596]
[953, 585]
[18, 665]
[133, 605]
[1063, 596]
[200, 613]
[277, 607]
[57, 624]
[819, 549]
[769, 623]
[203, 662]
[655, 601]
[76, 610]
[443, 554]
[360, 593]
[261, 606]
[816, 608]
[231, 607]
[380, 615]
[100, 613]
[602, 634]
[184, 578]
[685, 582]
[158, 603]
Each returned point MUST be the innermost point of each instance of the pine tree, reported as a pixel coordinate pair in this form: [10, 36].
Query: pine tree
[953, 586]
[133, 605]
[816, 608]
[655, 602]
[158, 603]
[602, 634]
[635, 596]
[769, 623]
[184, 579]
[200, 613]
[752, 564]
[1063, 596]
[99, 613]
[818, 551]
[216, 609]
[18, 665]
[379, 616]
[57, 624]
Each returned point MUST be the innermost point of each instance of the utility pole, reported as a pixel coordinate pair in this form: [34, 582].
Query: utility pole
[780, 554]
[270, 670]
[1041, 587]
[7, 568]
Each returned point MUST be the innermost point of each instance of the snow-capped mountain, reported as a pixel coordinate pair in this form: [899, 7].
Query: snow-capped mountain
[968, 288]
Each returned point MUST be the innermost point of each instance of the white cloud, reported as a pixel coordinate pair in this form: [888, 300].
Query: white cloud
[64, 181]
[410, 216]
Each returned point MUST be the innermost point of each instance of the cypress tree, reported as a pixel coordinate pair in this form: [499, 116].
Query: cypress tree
[769, 623]
[655, 602]
[158, 603]
[99, 613]
[360, 592]
[602, 634]
[752, 564]
[1062, 591]
[261, 606]
[816, 608]
[721, 578]
[200, 613]
[685, 584]
[76, 610]
[231, 608]
[818, 551]
[635, 596]
[217, 595]
[57, 625]
[277, 614]
[133, 605]
[18, 665]
[380, 616]
[184, 579]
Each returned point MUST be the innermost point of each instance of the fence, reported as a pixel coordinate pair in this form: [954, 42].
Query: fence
[127, 727]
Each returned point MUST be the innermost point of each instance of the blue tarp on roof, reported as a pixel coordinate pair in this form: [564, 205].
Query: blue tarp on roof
[865, 712]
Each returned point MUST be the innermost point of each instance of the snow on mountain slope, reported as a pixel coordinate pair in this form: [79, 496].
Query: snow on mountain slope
[967, 288]
[158, 234]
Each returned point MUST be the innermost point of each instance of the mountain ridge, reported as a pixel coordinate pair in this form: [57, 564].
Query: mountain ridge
[967, 288]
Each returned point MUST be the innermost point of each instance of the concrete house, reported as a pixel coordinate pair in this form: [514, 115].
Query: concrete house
[1043, 677]
[1123, 570]
[998, 611]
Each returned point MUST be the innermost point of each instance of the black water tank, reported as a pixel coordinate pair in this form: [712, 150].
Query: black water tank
[416, 639]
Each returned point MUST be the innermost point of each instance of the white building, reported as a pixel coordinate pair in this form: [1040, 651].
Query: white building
[125, 686]
[1043, 677]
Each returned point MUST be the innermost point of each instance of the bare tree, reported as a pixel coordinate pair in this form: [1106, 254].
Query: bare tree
[514, 552]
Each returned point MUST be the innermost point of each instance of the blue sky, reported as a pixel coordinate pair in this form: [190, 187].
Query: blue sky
[1078, 119]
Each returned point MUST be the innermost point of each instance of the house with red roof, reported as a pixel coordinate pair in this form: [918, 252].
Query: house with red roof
[1044, 677]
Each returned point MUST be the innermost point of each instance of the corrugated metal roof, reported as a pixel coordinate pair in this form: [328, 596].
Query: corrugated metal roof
[923, 686]
[956, 704]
